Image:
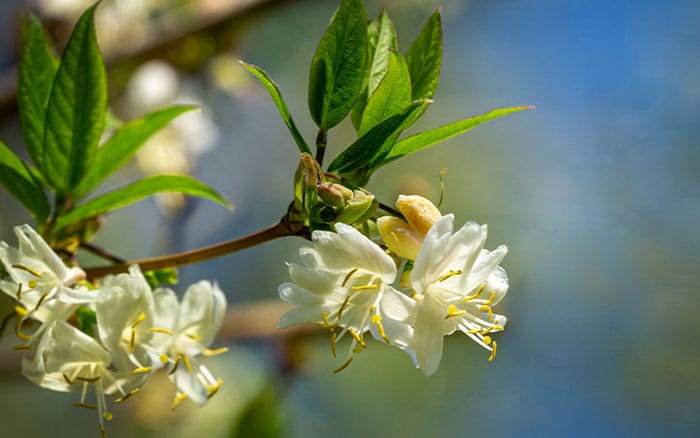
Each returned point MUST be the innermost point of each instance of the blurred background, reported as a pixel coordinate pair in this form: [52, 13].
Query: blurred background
[596, 193]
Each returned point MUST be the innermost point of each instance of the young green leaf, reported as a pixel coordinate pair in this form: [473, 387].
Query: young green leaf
[140, 190]
[339, 65]
[363, 150]
[425, 139]
[276, 95]
[76, 108]
[382, 39]
[123, 145]
[391, 96]
[37, 68]
[17, 177]
[424, 58]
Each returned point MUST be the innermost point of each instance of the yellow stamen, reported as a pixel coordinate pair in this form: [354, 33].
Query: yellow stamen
[139, 319]
[32, 271]
[127, 395]
[141, 370]
[453, 312]
[41, 300]
[18, 332]
[487, 340]
[358, 348]
[21, 311]
[132, 340]
[193, 336]
[486, 308]
[160, 330]
[89, 379]
[177, 363]
[491, 298]
[164, 358]
[449, 274]
[493, 351]
[67, 379]
[342, 307]
[84, 405]
[215, 351]
[333, 338]
[474, 295]
[178, 399]
[347, 277]
[377, 319]
[365, 287]
[103, 432]
[357, 337]
[31, 284]
[213, 389]
[107, 416]
[188, 365]
[19, 292]
[343, 366]
[324, 317]
[23, 347]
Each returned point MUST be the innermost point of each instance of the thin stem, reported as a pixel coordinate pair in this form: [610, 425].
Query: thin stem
[101, 252]
[321, 140]
[281, 229]
[390, 210]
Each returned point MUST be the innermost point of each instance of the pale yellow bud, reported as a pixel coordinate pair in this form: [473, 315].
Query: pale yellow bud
[420, 213]
[400, 237]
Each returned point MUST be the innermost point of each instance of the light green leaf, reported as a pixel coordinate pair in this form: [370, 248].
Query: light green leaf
[425, 139]
[424, 58]
[276, 95]
[17, 177]
[362, 151]
[391, 96]
[339, 65]
[124, 144]
[139, 190]
[75, 113]
[37, 68]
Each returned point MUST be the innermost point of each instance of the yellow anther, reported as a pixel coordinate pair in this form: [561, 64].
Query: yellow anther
[213, 389]
[141, 370]
[474, 295]
[127, 395]
[41, 300]
[178, 399]
[160, 330]
[89, 379]
[23, 347]
[334, 336]
[492, 297]
[31, 284]
[342, 307]
[486, 308]
[164, 358]
[365, 287]
[358, 348]
[343, 366]
[19, 292]
[357, 337]
[21, 311]
[84, 405]
[193, 336]
[449, 274]
[139, 319]
[453, 312]
[132, 340]
[377, 319]
[188, 365]
[215, 351]
[18, 332]
[67, 379]
[103, 432]
[108, 416]
[493, 351]
[177, 363]
[487, 340]
[32, 271]
[347, 277]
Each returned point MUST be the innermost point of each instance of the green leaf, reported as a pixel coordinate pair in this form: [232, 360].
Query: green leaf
[86, 319]
[123, 145]
[339, 65]
[425, 139]
[424, 58]
[276, 95]
[382, 39]
[391, 96]
[362, 151]
[37, 68]
[75, 114]
[17, 177]
[159, 277]
[140, 190]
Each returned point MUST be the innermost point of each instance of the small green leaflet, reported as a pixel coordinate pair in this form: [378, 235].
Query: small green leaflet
[116, 151]
[276, 95]
[17, 177]
[425, 139]
[339, 65]
[140, 190]
[75, 112]
[424, 58]
[37, 68]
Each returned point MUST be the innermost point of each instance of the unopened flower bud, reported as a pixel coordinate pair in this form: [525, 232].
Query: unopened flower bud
[400, 237]
[333, 194]
[419, 212]
[356, 207]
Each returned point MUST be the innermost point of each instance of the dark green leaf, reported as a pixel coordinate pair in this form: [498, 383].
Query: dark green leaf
[339, 65]
[17, 177]
[425, 139]
[37, 69]
[276, 95]
[87, 320]
[140, 190]
[123, 145]
[75, 113]
[391, 96]
[424, 58]
[362, 151]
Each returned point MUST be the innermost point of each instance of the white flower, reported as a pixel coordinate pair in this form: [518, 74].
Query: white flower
[343, 283]
[185, 331]
[39, 280]
[69, 360]
[456, 284]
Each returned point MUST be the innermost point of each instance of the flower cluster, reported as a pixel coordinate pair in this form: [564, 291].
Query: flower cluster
[109, 338]
[419, 282]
